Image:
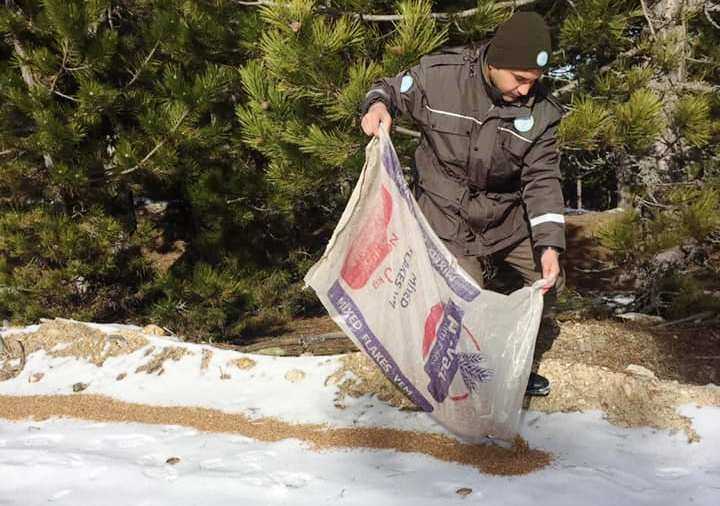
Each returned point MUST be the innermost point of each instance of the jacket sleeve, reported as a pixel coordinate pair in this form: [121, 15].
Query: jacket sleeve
[542, 192]
[402, 94]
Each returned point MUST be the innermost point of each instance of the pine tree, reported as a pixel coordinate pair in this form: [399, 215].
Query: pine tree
[239, 121]
[644, 93]
[107, 104]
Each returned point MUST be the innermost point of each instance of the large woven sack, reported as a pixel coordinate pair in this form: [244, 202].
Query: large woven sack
[461, 353]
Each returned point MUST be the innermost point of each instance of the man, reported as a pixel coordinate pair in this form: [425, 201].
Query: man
[487, 164]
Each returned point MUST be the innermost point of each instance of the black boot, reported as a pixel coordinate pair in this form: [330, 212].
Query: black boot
[537, 385]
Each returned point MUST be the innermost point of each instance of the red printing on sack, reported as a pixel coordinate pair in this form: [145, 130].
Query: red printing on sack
[370, 246]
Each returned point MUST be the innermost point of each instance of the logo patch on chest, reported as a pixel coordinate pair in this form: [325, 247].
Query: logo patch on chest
[524, 124]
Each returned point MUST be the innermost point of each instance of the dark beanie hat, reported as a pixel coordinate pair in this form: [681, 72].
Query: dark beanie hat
[522, 42]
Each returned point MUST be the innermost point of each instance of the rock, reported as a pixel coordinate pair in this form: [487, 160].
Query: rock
[79, 387]
[641, 318]
[154, 330]
[121, 376]
[638, 370]
[295, 375]
[619, 299]
[36, 377]
[463, 492]
[672, 256]
[173, 460]
[625, 278]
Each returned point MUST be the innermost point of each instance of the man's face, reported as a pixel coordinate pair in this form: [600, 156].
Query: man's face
[513, 84]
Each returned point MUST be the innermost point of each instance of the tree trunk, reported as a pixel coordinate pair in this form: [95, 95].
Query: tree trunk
[624, 187]
[666, 20]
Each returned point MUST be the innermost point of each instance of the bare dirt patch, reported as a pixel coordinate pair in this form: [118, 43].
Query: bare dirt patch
[685, 354]
[242, 363]
[359, 376]
[628, 400]
[206, 357]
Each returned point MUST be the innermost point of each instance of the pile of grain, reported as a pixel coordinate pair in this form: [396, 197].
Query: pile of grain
[486, 458]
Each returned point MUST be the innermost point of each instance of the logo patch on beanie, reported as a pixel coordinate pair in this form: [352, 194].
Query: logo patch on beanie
[542, 58]
[524, 124]
[406, 83]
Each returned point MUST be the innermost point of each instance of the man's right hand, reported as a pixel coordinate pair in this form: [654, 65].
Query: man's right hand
[377, 114]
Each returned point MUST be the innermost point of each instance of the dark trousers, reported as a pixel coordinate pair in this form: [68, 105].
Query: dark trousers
[509, 269]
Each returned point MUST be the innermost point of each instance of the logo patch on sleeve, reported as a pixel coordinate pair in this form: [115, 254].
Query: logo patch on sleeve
[406, 83]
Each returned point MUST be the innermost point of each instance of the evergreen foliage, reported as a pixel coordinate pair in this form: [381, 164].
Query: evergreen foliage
[674, 245]
[185, 161]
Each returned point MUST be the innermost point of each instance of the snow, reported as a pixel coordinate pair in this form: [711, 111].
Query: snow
[254, 392]
[75, 462]
[78, 462]
[618, 302]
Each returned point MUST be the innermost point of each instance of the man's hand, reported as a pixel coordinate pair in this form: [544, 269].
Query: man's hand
[377, 114]
[550, 268]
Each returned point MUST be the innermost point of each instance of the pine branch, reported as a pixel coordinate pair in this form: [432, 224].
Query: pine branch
[157, 146]
[56, 92]
[143, 64]
[407, 131]
[711, 7]
[697, 86]
[25, 70]
[31, 82]
[700, 87]
[60, 71]
[647, 18]
[443, 16]
[574, 84]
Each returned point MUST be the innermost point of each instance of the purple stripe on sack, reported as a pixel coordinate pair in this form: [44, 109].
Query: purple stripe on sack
[372, 345]
[392, 165]
[462, 287]
[442, 363]
[459, 285]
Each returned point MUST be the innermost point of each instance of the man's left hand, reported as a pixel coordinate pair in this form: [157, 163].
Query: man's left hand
[550, 263]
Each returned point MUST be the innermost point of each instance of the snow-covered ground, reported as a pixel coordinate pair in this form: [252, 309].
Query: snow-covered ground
[78, 462]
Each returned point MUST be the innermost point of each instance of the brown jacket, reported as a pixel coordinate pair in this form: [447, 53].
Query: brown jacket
[488, 170]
